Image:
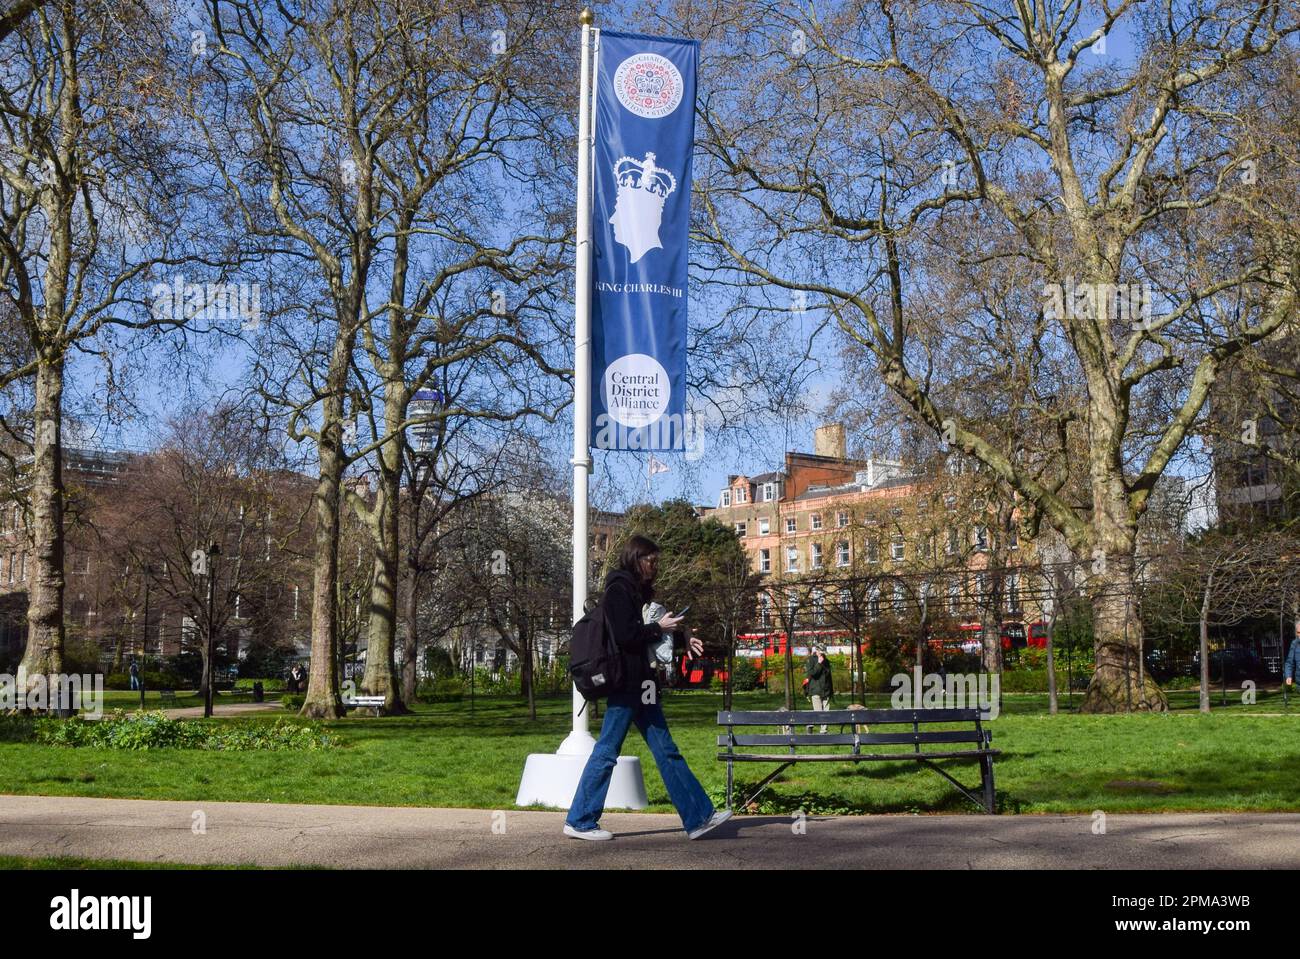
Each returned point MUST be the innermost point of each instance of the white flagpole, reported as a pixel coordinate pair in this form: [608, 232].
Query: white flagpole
[580, 740]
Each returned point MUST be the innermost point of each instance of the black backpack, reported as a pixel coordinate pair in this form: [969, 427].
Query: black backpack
[595, 661]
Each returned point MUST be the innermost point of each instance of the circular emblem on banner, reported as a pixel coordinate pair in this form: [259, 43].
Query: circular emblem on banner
[648, 85]
[636, 390]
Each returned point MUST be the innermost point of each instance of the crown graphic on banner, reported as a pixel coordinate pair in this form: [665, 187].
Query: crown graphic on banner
[649, 84]
[644, 175]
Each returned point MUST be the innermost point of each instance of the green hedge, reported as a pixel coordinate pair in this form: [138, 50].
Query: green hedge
[268, 685]
[153, 730]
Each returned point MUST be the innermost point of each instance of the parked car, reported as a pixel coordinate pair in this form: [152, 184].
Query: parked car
[1241, 664]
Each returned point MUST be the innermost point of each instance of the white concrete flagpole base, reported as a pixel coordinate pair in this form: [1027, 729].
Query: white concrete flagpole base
[551, 779]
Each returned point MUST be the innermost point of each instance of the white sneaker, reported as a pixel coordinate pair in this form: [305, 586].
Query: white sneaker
[588, 834]
[717, 819]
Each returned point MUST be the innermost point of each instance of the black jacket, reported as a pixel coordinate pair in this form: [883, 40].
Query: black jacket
[819, 677]
[623, 600]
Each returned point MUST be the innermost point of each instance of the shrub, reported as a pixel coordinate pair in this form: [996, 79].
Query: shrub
[17, 728]
[155, 679]
[153, 730]
[117, 681]
[268, 685]
[437, 662]
[293, 701]
[1027, 680]
[449, 690]
[744, 675]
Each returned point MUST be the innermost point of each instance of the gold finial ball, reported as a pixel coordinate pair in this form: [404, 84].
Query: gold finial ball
[586, 18]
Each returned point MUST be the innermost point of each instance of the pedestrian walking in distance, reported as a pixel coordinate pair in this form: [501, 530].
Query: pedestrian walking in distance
[627, 590]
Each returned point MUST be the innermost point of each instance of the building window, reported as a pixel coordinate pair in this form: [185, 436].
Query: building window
[769, 492]
[873, 551]
[950, 547]
[954, 596]
[982, 539]
[846, 601]
[1013, 538]
[765, 561]
[900, 599]
[742, 494]
[819, 607]
[950, 501]
[842, 519]
[816, 521]
[873, 602]
[897, 550]
[13, 565]
[79, 561]
[791, 524]
[792, 559]
[22, 567]
[842, 553]
[896, 512]
[764, 526]
[765, 610]
[815, 555]
[726, 498]
[1013, 592]
[741, 529]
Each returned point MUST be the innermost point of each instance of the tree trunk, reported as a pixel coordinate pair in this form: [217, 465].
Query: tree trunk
[1052, 704]
[1205, 650]
[45, 631]
[322, 700]
[1118, 685]
[381, 674]
[205, 676]
[411, 648]
[526, 672]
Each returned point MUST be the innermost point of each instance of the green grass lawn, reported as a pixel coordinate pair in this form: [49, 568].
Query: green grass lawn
[444, 755]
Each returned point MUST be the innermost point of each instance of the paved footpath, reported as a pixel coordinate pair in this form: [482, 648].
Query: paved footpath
[276, 834]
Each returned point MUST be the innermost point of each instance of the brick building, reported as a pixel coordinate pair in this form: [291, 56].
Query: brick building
[825, 518]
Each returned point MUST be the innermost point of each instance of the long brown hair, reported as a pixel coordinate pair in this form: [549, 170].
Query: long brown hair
[634, 551]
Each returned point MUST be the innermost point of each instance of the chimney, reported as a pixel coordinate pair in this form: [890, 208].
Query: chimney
[828, 440]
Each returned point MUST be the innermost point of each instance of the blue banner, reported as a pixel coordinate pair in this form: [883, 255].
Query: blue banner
[641, 204]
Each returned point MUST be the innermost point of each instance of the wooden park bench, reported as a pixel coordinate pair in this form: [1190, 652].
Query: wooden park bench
[765, 747]
[168, 697]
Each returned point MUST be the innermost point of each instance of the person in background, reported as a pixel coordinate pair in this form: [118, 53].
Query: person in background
[819, 685]
[135, 675]
[1292, 662]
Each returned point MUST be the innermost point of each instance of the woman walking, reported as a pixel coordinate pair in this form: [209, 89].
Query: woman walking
[627, 589]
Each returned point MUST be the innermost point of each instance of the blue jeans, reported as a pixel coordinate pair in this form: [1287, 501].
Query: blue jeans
[622, 710]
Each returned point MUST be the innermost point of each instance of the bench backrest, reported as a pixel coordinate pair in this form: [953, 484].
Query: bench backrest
[869, 717]
[838, 718]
